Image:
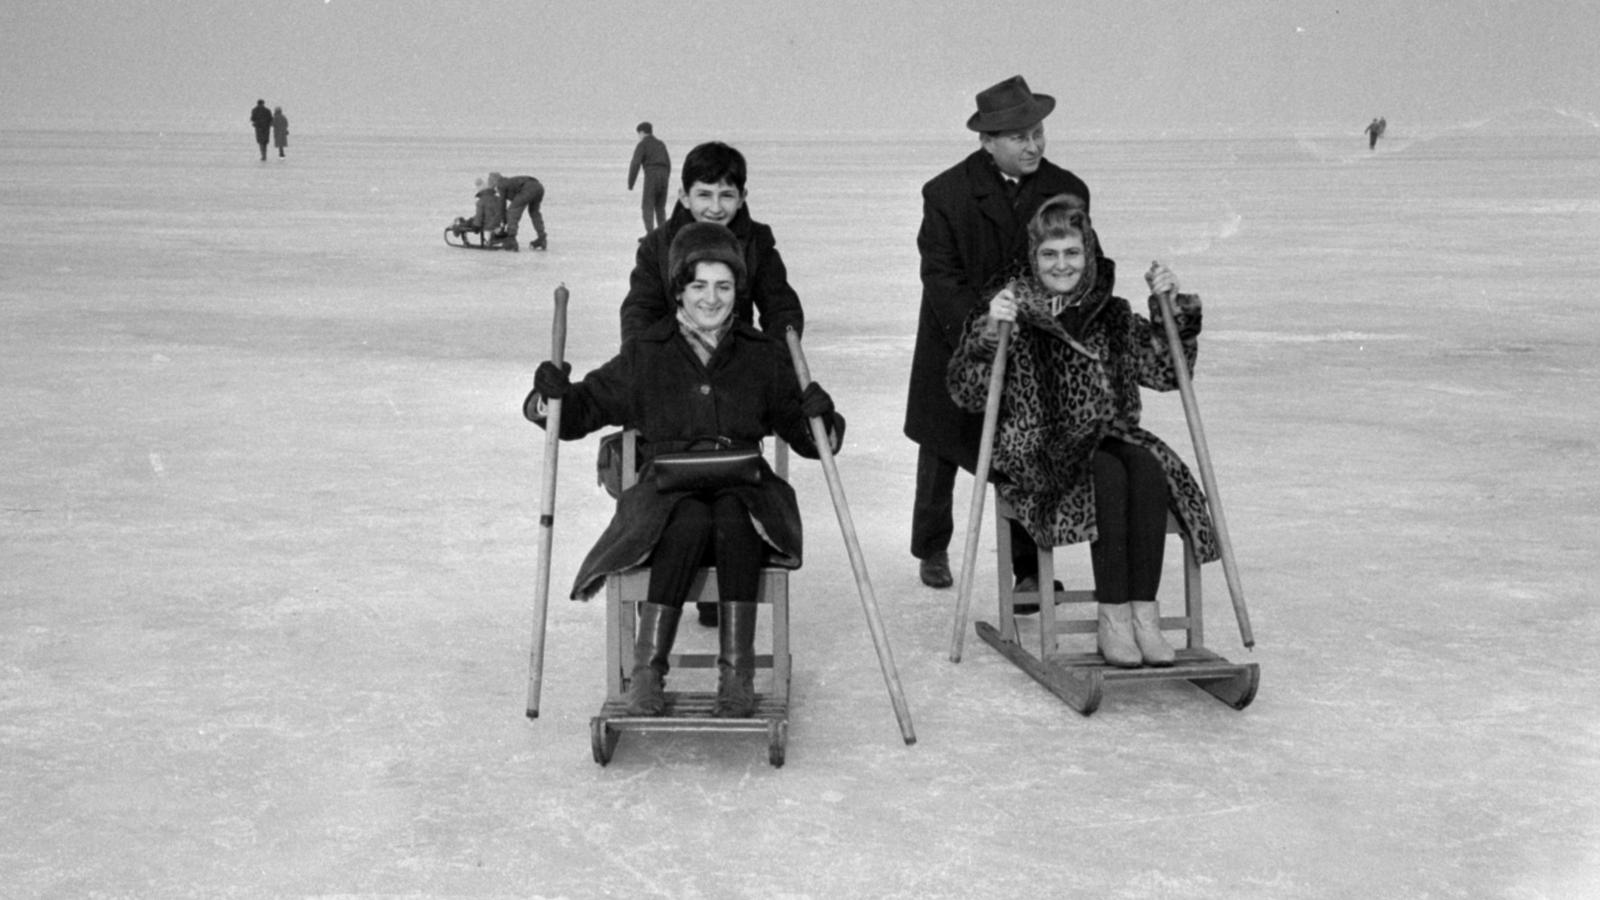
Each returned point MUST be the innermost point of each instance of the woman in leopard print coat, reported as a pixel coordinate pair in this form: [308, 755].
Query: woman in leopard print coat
[1069, 454]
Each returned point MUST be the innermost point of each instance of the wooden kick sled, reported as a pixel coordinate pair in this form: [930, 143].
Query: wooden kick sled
[1079, 678]
[691, 710]
[1079, 675]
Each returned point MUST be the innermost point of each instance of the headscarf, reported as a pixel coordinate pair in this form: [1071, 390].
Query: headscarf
[1057, 217]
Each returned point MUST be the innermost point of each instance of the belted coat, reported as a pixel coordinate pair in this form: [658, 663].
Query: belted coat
[657, 385]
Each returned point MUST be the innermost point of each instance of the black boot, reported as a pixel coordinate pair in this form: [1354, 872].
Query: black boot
[658, 626]
[736, 663]
[538, 244]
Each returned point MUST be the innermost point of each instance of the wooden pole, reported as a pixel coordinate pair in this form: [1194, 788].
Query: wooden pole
[869, 602]
[1197, 433]
[980, 490]
[547, 509]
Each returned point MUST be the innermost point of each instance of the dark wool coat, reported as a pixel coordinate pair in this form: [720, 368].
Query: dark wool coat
[261, 120]
[1063, 396]
[765, 290]
[971, 237]
[658, 385]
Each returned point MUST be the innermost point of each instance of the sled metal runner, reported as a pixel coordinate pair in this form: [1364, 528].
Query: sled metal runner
[1079, 678]
[464, 235]
[691, 710]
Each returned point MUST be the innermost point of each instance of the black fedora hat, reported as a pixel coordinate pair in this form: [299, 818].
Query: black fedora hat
[1010, 106]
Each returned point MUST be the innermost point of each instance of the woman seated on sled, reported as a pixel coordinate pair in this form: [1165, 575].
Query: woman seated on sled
[699, 378]
[1069, 454]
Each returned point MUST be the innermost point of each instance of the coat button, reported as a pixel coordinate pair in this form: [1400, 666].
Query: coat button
[705, 388]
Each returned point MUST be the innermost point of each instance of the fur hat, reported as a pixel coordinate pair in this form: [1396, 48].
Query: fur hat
[1010, 106]
[699, 242]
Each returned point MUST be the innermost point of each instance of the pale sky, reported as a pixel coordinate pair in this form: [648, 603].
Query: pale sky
[1116, 67]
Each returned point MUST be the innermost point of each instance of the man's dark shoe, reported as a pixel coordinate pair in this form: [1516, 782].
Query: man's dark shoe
[936, 571]
[1029, 584]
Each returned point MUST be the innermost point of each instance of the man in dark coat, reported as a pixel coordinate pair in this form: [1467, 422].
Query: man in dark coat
[713, 191]
[651, 156]
[973, 234]
[261, 119]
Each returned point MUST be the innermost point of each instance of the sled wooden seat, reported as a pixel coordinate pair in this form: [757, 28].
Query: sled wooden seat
[691, 710]
[1073, 669]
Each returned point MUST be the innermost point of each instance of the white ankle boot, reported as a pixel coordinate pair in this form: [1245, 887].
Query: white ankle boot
[1117, 644]
[1153, 645]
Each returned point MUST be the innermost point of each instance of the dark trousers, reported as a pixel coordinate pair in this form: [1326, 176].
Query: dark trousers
[1130, 509]
[933, 523]
[653, 199]
[529, 198]
[707, 529]
[262, 136]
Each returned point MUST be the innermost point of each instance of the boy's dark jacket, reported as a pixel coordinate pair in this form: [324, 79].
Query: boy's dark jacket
[766, 291]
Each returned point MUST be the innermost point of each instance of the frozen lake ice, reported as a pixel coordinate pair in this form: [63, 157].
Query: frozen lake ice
[270, 526]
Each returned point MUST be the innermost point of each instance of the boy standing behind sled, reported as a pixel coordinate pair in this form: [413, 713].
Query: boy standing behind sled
[713, 191]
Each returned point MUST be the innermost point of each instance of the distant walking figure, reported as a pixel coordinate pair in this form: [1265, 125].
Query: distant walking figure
[280, 130]
[1375, 131]
[261, 118]
[651, 155]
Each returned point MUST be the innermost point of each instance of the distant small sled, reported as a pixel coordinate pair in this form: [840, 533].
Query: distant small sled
[462, 233]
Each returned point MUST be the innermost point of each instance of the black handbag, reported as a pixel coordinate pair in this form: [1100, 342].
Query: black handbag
[719, 465]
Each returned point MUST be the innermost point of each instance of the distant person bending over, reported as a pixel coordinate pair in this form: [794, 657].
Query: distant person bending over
[280, 130]
[521, 192]
[651, 156]
[714, 192]
[1069, 454]
[261, 119]
[697, 373]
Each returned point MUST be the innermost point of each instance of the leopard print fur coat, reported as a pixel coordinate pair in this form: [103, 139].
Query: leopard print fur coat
[1064, 393]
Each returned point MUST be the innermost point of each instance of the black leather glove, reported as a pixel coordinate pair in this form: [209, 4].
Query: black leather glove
[834, 425]
[1186, 316]
[815, 402]
[551, 381]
